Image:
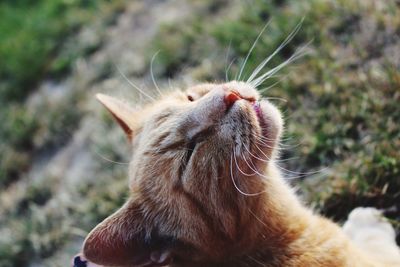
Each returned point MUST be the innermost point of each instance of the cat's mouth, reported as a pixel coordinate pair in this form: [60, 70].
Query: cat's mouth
[257, 110]
[260, 118]
[270, 123]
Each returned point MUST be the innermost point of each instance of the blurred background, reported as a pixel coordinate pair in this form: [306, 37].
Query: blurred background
[63, 161]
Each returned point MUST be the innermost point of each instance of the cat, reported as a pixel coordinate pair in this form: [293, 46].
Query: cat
[205, 190]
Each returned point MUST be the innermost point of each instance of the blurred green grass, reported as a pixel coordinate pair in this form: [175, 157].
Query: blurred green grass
[32, 37]
[31, 33]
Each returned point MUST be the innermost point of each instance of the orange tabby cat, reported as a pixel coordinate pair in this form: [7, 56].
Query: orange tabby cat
[205, 190]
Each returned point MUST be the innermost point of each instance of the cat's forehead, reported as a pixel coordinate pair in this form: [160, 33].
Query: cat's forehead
[201, 89]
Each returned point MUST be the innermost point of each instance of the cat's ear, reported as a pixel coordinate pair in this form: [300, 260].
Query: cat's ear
[120, 240]
[122, 112]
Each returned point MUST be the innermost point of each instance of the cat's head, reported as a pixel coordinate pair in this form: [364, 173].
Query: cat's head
[199, 166]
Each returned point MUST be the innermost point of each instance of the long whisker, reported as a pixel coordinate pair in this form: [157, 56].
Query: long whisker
[276, 98]
[264, 143]
[253, 169]
[237, 166]
[254, 156]
[251, 50]
[226, 61]
[280, 145]
[280, 47]
[132, 84]
[227, 70]
[109, 160]
[236, 186]
[260, 142]
[262, 90]
[300, 52]
[281, 142]
[250, 164]
[271, 139]
[265, 160]
[152, 74]
[299, 174]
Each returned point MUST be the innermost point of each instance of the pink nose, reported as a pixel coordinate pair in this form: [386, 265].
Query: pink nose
[231, 97]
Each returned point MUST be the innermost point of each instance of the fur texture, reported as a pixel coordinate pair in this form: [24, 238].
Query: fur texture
[205, 190]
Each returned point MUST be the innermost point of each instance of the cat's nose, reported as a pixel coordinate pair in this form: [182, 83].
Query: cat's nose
[231, 97]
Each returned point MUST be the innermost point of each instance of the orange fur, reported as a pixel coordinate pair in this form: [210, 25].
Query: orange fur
[205, 190]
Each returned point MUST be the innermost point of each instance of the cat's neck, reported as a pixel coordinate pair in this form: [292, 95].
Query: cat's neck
[283, 220]
[291, 235]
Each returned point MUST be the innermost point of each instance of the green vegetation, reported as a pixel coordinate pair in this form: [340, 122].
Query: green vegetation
[25, 133]
[32, 33]
[16, 134]
[36, 231]
[35, 44]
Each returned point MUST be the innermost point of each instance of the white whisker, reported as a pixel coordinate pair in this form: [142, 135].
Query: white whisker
[280, 47]
[226, 61]
[254, 169]
[299, 174]
[276, 98]
[262, 90]
[152, 74]
[264, 141]
[236, 186]
[227, 70]
[271, 139]
[300, 52]
[132, 84]
[237, 166]
[254, 156]
[109, 160]
[251, 50]
[280, 145]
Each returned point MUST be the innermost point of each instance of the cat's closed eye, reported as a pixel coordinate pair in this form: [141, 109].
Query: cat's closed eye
[197, 139]
[197, 92]
[190, 148]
